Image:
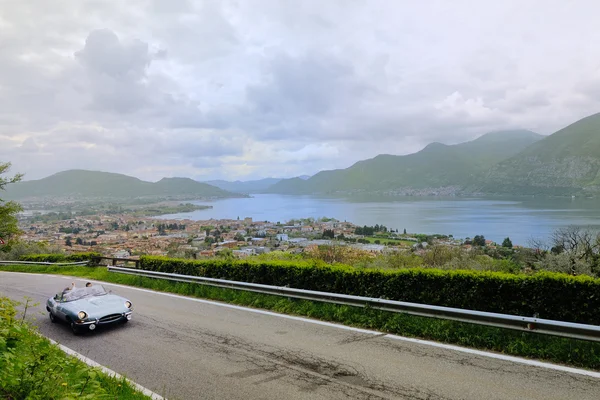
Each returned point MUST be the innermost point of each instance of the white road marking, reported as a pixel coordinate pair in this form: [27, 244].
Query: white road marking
[107, 371]
[497, 356]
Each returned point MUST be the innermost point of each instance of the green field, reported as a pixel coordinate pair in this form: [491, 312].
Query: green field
[392, 242]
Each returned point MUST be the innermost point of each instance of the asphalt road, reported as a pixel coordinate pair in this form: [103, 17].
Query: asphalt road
[186, 349]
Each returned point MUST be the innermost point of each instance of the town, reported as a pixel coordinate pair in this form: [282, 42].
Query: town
[125, 235]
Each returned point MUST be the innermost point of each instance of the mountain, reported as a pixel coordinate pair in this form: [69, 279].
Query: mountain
[564, 163]
[256, 186]
[88, 184]
[437, 169]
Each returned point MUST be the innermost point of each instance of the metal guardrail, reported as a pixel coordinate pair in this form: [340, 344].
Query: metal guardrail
[42, 263]
[544, 326]
[116, 260]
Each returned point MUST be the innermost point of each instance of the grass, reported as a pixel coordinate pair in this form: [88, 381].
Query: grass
[31, 367]
[387, 241]
[572, 352]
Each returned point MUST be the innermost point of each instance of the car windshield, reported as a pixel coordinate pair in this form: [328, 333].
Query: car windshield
[79, 293]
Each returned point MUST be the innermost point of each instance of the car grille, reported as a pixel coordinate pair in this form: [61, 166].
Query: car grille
[111, 318]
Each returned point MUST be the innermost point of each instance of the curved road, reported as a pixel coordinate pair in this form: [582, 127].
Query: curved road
[188, 349]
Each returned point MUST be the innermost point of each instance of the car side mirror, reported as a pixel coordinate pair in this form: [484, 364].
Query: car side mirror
[57, 297]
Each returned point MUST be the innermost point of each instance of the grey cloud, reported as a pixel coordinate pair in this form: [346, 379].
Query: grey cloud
[117, 72]
[172, 6]
[227, 88]
[206, 163]
[311, 84]
[105, 54]
[29, 146]
[201, 145]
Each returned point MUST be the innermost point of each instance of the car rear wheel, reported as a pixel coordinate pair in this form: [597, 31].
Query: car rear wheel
[75, 329]
[52, 317]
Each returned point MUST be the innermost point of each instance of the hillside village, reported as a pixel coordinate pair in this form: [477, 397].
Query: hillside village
[126, 236]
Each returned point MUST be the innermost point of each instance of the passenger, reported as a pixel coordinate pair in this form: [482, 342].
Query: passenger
[65, 290]
[89, 284]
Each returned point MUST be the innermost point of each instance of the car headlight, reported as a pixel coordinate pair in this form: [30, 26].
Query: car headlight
[128, 304]
[82, 315]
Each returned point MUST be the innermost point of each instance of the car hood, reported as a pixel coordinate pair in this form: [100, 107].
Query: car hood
[98, 306]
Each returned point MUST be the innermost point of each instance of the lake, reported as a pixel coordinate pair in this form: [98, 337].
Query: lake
[495, 218]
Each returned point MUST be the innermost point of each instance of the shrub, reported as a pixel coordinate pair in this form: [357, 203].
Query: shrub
[20, 249]
[548, 295]
[60, 257]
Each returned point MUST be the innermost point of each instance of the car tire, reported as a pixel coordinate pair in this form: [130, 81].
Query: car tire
[52, 317]
[75, 329]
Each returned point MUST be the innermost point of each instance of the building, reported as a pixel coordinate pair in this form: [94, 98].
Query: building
[243, 253]
[230, 244]
[258, 241]
[121, 254]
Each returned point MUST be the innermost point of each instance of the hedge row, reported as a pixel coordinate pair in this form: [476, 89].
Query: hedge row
[546, 295]
[59, 257]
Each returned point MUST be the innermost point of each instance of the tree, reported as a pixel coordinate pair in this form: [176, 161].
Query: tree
[579, 245]
[479, 240]
[507, 243]
[226, 254]
[404, 231]
[9, 228]
[68, 241]
[328, 233]
[79, 241]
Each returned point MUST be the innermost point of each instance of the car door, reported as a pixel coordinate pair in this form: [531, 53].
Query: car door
[59, 307]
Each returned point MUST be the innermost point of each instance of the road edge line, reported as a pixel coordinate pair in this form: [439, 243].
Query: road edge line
[107, 371]
[497, 356]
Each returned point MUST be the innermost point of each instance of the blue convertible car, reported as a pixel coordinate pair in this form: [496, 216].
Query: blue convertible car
[88, 307]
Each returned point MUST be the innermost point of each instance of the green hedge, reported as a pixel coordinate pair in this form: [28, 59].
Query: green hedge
[547, 295]
[59, 257]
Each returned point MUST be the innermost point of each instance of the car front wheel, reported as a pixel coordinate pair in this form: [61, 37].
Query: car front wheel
[75, 329]
[52, 317]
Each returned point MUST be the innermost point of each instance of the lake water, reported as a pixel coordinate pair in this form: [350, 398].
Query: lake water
[496, 218]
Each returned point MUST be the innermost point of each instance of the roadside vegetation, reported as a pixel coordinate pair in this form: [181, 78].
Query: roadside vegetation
[577, 353]
[31, 367]
[571, 250]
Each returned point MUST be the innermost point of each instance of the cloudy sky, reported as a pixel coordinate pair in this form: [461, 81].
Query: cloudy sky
[244, 89]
